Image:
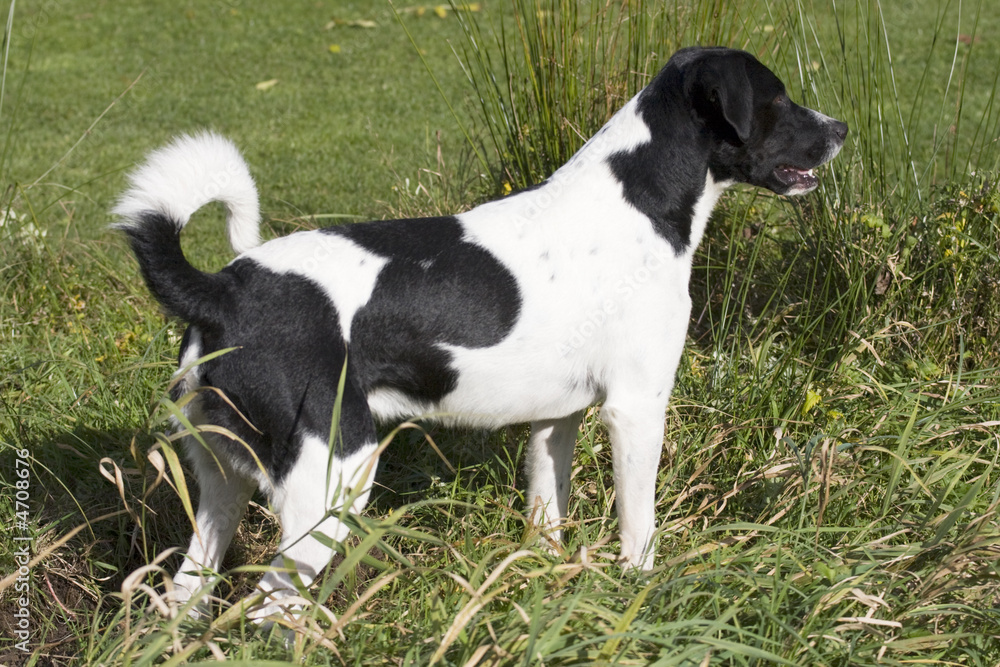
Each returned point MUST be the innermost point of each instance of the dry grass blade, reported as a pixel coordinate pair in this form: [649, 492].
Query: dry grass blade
[479, 600]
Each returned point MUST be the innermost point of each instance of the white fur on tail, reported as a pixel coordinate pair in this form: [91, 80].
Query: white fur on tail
[188, 173]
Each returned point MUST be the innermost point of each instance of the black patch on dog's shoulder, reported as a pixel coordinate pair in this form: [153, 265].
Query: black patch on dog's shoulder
[664, 177]
[284, 372]
[435, 289]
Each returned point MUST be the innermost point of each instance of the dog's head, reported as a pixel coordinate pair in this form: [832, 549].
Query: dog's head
[758, 135]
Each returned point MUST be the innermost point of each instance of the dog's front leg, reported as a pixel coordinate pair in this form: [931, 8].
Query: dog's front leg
[636, 430]
[549, 464]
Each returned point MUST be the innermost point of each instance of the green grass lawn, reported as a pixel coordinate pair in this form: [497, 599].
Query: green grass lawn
[833, 490]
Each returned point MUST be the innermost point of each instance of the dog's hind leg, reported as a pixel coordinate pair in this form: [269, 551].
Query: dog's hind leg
[549, 464]
[222, 501]
[311, 501]
[325, 481]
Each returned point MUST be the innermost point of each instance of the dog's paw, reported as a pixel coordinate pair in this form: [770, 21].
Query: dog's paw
[273, 631]
[277, 616]
[188, 595]
[636, 571]
[276, 606]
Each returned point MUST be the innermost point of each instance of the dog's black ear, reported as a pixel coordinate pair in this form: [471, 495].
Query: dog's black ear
[736, 100]
[724, 87]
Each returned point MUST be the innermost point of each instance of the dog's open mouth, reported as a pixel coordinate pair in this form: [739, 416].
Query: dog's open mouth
[795, 178]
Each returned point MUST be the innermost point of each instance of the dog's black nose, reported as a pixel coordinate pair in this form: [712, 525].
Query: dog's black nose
[840, 129]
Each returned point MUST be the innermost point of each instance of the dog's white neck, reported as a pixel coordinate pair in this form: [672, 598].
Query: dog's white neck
[703, 209]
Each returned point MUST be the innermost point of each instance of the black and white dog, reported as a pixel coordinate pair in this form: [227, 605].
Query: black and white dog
[526, 309]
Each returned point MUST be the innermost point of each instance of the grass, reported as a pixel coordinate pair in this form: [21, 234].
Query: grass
[833, 491]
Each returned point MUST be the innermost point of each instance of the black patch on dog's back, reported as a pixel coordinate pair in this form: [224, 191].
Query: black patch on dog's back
[284, 372]
[436, 288]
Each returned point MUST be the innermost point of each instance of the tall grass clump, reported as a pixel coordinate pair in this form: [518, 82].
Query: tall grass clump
[547, 75]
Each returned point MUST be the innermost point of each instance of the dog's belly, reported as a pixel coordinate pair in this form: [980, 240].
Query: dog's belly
[494, 389]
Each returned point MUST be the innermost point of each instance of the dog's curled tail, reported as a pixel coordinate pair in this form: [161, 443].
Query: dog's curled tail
[188, 173]
[173, 183]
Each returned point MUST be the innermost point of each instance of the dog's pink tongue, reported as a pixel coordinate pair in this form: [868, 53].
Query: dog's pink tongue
[792, 176]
